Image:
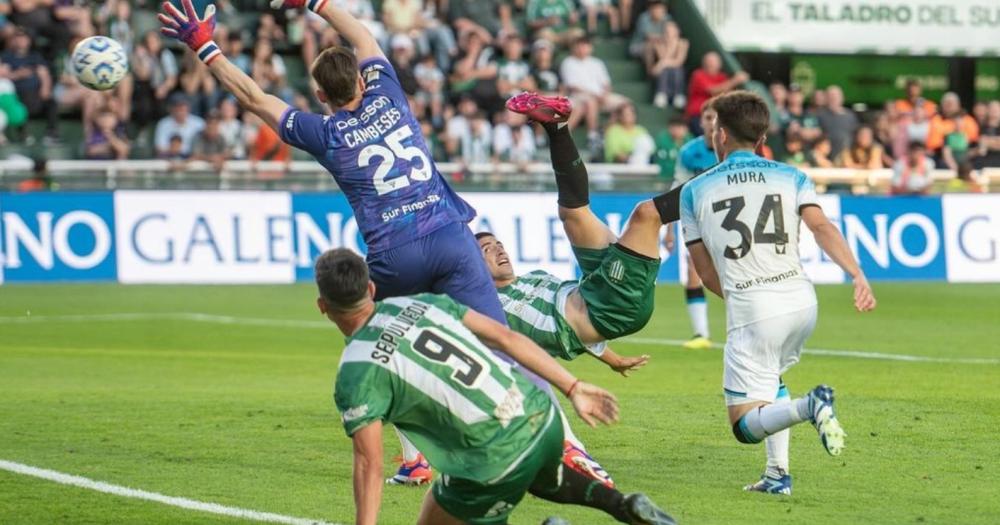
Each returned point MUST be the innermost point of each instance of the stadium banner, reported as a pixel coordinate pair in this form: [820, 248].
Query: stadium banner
[274, 237]
[915, 27]
[870, 79]
[895, 238]
[972, 237]
[57, 237]
[203, 237]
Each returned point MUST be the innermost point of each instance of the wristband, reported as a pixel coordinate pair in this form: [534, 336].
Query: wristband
[569, 393]
[208, 52]
[316, 5]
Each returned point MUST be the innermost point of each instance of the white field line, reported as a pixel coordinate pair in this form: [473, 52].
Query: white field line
[293, 323]
[184, 503]
[858, 354]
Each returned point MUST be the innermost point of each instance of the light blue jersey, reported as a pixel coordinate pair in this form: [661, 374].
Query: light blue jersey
[746, 212]
[695, 157]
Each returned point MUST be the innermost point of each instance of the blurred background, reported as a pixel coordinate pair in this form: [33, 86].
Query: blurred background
[857, 88]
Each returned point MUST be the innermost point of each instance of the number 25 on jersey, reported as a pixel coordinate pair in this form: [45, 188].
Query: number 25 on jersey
[388, 156]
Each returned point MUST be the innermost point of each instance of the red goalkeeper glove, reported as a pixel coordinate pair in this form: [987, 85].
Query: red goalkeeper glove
[187, 27]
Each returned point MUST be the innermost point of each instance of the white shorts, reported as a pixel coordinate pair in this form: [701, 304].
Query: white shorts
[757, 354]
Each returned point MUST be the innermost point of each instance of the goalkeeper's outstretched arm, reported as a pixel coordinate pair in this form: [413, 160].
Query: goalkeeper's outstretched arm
[250, 96]
[354, 31]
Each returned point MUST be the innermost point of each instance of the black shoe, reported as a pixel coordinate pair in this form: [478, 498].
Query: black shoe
[642, 511]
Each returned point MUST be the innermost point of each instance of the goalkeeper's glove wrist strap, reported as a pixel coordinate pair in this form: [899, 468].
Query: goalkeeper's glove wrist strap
[316, 5]
[208, 52]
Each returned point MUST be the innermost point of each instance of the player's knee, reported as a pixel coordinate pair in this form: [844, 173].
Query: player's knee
[742, 435]
[645, 212]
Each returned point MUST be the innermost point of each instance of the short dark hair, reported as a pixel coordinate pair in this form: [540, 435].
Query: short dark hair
[745, 115]
[335, 70]
[916, 145]
[342, 278]
[480, 235]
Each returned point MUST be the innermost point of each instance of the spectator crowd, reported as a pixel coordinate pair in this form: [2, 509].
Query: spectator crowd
[459, 60]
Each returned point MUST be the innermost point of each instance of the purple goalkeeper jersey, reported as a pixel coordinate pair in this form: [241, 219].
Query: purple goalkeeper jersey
[380, 160]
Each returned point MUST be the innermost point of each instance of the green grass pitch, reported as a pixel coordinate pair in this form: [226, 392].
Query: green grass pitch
[242, 414]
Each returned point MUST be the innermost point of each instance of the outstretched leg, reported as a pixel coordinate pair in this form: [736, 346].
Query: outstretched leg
[583, 228]
[576, 489]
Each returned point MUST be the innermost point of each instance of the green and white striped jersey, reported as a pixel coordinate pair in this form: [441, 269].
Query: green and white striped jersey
[535, 304]
[415, 365]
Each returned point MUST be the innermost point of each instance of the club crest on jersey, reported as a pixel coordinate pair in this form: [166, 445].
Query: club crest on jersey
[616, 271]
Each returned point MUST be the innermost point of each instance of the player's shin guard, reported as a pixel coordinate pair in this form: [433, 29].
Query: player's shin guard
[577, 489]
[572, 180]
[766, 420]
[777, 443]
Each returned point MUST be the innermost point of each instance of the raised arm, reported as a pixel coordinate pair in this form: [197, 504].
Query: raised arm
[590, 402]
[342, 22]
[828, 238]
[196, 33]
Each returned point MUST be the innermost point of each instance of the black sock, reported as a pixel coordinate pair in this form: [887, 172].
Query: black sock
[669, 205]
[571, 174]
[577, 489]
[694, 293]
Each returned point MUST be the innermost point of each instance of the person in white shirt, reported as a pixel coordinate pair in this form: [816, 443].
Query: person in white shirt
[588, 83]
[741, 226]
[179, 123]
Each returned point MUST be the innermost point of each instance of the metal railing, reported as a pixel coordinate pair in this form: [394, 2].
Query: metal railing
[310, 176]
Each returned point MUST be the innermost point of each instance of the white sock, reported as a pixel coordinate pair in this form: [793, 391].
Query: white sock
[410, 452]
[568, 434]
[767, 420]
[777, 444]
[698, 311]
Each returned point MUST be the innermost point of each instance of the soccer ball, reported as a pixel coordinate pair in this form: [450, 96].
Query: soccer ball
[99, 62]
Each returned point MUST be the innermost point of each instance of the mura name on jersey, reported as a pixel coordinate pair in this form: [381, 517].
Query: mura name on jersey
[394, 330]
[745, 177]
[370, 128]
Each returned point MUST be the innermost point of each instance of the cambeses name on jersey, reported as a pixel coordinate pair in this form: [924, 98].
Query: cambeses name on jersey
[746, 213]
[380, 161]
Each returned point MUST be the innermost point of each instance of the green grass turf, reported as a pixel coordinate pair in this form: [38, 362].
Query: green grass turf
[243, 415]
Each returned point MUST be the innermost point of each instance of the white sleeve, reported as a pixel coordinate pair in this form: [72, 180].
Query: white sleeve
[689, 220]
[805, 192]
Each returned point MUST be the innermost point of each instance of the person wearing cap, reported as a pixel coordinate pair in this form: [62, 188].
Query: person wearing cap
[180, 122]
[543, 69]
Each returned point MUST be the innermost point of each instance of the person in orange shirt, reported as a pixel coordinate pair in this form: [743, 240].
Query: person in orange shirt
[914, 98]
[264, 144]
[952, 133]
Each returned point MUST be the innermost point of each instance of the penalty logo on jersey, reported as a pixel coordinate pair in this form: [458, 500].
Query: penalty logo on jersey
[616, 271]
